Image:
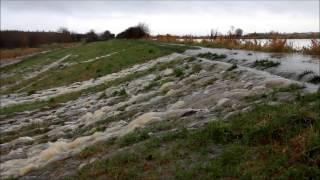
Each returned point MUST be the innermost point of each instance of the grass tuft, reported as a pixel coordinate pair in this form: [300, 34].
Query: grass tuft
[212, 56]
[315, 79]
[178, 72]
[304, 73]
[265, 63]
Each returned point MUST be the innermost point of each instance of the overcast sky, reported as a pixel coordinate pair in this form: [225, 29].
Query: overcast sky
[174, 17]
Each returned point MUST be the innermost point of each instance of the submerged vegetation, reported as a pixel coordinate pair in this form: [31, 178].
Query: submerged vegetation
[130, 52]
[306, 72]
[315, 79]
[279, 141]
[177, 117]
[265, 63]
[212, 56]
[137, 54]
[314, 48]
[272, 45]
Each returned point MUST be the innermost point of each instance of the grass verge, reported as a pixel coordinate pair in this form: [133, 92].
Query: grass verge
[269, 142]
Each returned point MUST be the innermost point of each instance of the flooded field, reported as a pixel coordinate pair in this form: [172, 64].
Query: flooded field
[163, 106]
[297, 44]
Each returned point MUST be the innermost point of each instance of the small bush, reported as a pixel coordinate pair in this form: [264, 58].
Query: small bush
[98, 70]
[150, 51]
[32, 91]
[122, 92]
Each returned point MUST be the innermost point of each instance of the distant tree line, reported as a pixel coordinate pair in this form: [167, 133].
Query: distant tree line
[19, 39]
[13, 39]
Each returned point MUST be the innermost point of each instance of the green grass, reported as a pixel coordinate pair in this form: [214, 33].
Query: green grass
[30, 64]
[178, 72]
[29, 130]
[132, 138]
[54, 102]
[130, 53]
[269, 142]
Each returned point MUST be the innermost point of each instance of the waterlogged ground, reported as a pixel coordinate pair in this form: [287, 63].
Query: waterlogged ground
[134, 109]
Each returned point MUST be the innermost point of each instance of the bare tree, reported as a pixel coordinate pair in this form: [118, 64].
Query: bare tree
[144, 27]
[213, 34]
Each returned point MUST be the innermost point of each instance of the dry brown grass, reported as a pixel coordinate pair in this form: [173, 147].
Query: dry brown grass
[314, 48]
[14, 53]
[9, 55]
[273, 45]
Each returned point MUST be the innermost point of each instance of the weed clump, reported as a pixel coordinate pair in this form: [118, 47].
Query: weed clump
[32, 91]
[315, 79]
[122, 92]
[306, 72]
[313, 49]
[178, 72]
[196, 68]
[265, 64]
[212, 56]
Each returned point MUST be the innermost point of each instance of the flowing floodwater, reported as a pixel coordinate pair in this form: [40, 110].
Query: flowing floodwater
[292, 65]
[207, 91]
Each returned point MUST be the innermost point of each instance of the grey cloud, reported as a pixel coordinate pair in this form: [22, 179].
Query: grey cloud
[118, 14]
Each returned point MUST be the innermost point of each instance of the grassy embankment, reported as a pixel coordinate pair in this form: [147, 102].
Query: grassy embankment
[130, 53]
[281, 141]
